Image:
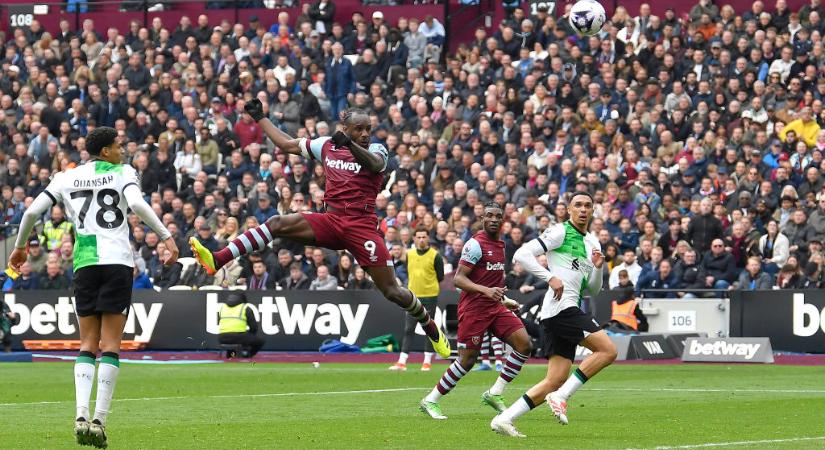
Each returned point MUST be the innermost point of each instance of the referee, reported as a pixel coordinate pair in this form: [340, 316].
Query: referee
[425, 269]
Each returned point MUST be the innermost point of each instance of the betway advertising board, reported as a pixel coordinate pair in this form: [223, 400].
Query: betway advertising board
[794, 321]
[287, 320]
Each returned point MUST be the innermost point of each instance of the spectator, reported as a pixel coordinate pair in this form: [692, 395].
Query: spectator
[344, 271]
[663, 278]
[719, 266]
[774, 247]
[164, 276]
[53, 279]
[141, 280]
[208, 151]
[690, 275]
[260, 279]
[805, 127]
[361, 281]
[37, 257]
[56, 228]
[753, 278]
[704, 228]
[323, 281]
[628, 264]
[28, 279]
[340, 84]
[297, 279]
[264, 209]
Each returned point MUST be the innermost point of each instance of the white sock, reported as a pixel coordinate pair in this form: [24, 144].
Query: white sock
[106, 380]
[428, 358]
[572, 384]
[498, 386]
[521, 407]
[433, 396]
[402, 358]
[84, 376]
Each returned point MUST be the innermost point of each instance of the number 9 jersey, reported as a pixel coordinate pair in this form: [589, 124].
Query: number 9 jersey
[94, 200]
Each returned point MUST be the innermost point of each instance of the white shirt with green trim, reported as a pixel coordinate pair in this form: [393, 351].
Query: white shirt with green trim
[94, 200]
[568, 258]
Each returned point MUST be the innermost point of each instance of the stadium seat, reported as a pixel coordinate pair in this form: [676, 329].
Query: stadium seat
[211, 288]
[179, 287]
[186, 263]
[241, 287]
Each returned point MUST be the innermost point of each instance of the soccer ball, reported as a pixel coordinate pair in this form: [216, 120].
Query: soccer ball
[587, 17]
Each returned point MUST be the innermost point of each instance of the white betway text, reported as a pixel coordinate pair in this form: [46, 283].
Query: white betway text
[722, 348]
[47, 318]
[276, 316]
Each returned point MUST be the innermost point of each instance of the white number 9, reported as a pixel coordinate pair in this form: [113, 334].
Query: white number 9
[370, 246]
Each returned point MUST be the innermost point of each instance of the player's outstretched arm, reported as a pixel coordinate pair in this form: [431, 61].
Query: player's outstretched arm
[462, 281]
[134, 198]
[281, 140]
[40, 205]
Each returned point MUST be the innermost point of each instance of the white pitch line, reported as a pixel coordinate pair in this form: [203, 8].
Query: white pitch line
[736, 443]
[700, 390]
[275, 394]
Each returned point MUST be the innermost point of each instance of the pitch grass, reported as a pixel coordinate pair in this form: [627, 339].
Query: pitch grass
[218, 409]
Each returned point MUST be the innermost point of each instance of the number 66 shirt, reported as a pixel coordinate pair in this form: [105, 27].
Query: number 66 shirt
[93, 196]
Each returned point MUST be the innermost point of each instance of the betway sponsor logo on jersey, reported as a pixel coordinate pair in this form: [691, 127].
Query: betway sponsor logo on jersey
[57, 320]
[276, 316]
[495, 266]
[342, 165]
[96, 182]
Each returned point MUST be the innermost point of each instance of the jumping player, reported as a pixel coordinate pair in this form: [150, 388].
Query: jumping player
[354, 171]
[481, 308]
[97, 195]
[574, 266]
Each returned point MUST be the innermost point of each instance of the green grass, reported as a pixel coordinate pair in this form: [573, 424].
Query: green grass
[215, 407]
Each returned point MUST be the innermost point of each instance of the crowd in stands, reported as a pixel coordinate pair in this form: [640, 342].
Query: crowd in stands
[699, 137]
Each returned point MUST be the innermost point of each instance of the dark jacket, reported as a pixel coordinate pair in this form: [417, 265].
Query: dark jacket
[702, 231]
[302, 283]
[722, 267]
[763, 281]
[689, 277]
[657, 282]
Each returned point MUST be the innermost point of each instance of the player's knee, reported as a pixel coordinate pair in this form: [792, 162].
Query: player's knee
[610, 353]
[525, 348]
[467, 361]
[393, 293]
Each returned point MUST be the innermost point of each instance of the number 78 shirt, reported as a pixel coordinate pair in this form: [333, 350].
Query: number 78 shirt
[93, 196]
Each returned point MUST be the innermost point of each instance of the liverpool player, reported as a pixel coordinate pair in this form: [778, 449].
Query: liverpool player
[483, 307]
[574, 267]
[354, 171]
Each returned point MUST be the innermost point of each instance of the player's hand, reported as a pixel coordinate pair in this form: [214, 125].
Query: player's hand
[340, 139]
[510, 304]
[597, 257]
[496, 293]
[171, 256]
[17, 258]
[557, 286]
[255, 109]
